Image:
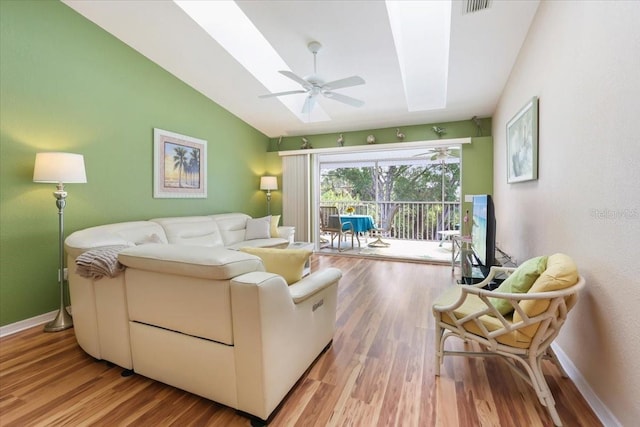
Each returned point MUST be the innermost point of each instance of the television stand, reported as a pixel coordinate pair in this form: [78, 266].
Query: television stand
[473, 280]
[473, 277]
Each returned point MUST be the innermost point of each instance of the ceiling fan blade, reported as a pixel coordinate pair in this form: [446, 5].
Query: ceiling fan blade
[344, 99]
[308, 104]
[346, 82]
[289, 92]
[426, 153]
[305, 84]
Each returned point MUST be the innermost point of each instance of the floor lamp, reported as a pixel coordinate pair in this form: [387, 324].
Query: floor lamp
[60, 168]
[268, 183]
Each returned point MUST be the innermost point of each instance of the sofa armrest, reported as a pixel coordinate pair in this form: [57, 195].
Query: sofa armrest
[275, 339]
[313, 283]
[287, 232]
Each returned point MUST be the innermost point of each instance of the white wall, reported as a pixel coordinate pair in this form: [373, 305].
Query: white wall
[582, 59]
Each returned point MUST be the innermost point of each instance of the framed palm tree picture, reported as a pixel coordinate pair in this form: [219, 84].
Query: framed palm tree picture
[179, 165]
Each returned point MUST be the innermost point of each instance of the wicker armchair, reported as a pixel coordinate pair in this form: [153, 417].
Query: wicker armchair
[524, 336]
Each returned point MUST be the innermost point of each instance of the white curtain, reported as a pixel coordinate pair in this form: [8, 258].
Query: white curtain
[296, 195]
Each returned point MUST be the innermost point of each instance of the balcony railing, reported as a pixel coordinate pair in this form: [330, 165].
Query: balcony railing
[413, 220]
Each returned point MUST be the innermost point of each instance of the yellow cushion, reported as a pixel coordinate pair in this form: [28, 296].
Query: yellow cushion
[288, 263]
[474, 304]
[275, 219]
[561, 273]
[520, 281]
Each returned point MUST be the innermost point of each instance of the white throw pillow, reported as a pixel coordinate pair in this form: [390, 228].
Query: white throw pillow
[258, 228]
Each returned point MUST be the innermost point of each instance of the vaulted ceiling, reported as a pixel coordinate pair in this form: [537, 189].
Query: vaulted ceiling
[357, 39]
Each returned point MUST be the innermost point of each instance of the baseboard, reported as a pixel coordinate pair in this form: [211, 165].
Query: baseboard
[602, 412]
[27, 323]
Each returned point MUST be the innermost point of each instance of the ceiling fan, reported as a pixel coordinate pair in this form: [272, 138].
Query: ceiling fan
[441, 153]
[313, 85]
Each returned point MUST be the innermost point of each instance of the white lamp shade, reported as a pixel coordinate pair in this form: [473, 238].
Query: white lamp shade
[59, 167]
[268, 183]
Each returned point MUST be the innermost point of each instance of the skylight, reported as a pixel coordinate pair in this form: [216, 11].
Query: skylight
[421, 32]
[226, 23]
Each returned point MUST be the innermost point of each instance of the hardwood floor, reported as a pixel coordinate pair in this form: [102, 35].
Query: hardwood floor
[379, 371]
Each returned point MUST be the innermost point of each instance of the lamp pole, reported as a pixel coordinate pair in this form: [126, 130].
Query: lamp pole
[63, 320]
[268, 202]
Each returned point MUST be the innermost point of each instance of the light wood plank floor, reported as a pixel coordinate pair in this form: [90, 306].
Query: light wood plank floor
[379, 371]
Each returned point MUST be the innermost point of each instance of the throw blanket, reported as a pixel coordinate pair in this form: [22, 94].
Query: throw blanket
[97, 263]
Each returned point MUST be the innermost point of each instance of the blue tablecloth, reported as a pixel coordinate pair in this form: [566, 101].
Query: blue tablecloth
[361, 223]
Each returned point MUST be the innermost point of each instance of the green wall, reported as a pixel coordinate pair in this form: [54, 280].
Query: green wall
[67, 85]
[477, 172]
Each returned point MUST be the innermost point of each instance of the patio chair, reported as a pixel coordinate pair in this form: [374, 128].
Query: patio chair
[331, 224]
[518, 321]
[325, 211]
[384, 230]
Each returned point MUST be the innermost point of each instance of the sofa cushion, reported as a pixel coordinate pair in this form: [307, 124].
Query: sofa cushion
[288, 263]
[191, 230]
[520, 281]
[193, 261]
[123, 233]
[473, 304]
[232, 226]
[258, 228]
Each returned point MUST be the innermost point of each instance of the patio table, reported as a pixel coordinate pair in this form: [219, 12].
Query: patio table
[361, 223]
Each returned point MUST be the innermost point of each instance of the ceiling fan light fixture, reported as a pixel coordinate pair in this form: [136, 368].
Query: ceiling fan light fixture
[314, 85]
[314, 47]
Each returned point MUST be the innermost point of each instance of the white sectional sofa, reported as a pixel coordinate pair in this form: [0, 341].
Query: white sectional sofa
[191, 311]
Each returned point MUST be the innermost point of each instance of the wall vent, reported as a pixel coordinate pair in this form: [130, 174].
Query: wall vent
[472, 6]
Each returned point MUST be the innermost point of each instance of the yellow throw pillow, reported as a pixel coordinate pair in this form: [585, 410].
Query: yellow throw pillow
[275, 219]
[288, 263]
[561, 273]
[520, 281]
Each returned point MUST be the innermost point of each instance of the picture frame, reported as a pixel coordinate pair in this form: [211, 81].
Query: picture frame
[522, 144]
[179, 165]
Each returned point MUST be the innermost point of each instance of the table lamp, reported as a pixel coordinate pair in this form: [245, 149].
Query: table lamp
[268, 183]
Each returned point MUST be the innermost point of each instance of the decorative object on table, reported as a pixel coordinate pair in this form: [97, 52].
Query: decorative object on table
[179, 166]
[522, 144]
[371, 139]
[476, 121]
[312, 86]
[60, 168]
[340, 141]
[350, 210]
[268, 183]
[439, 131]
[305, 144]
[399, 135]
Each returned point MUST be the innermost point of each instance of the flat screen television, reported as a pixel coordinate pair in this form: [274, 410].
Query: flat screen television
[483, 232]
